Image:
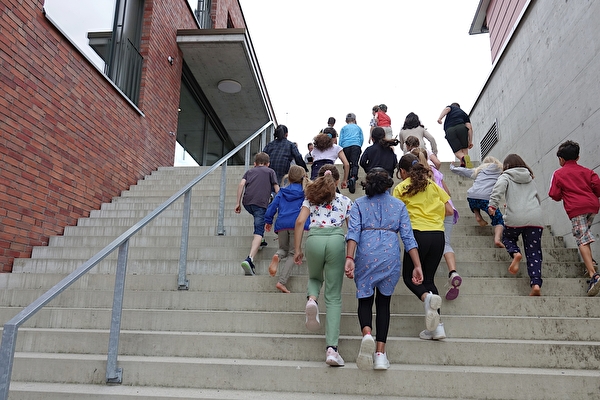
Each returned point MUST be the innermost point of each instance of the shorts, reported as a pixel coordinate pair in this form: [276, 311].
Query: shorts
[482, 205]
[388, 132]
[259, 218]
[458, 137]
[581, 225]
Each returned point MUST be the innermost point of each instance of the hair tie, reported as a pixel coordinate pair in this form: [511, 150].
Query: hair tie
[330, 137]
[415, 162]
[328, 172]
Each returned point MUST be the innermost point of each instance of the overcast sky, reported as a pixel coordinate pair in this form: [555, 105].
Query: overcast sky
[339, 56]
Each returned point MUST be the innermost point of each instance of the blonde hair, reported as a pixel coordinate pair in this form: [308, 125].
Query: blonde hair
[296, 174]
[422, 155]
[489, 160]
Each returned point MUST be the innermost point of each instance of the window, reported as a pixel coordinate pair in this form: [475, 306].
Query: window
[108, 33]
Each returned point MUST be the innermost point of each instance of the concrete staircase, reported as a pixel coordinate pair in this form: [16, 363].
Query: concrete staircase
[237, 337]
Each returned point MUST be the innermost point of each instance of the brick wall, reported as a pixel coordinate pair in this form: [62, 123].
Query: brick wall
[69, 140]
[221, 9]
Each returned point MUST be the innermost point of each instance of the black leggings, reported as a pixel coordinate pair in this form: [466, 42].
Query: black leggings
[382, 318]
[431, 250]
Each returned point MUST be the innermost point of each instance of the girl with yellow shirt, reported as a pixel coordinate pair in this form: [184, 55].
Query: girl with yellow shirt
[427, 205]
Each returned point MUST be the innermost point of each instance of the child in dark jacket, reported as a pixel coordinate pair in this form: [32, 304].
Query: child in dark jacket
[286, 205]
[579, 188]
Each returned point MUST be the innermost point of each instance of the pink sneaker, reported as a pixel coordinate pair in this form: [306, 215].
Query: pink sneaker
[333, 358]
[312, 315]
[453, 282]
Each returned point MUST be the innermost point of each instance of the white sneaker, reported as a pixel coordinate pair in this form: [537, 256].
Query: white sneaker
[432, 303]
[381, 362]
[437, 334]
[364, 360]
[333, 358]
[312, 315]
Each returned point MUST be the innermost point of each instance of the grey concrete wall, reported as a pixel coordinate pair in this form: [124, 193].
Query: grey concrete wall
[543, 90]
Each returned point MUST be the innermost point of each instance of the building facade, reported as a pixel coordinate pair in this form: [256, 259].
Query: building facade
[542, 90]
[75, 132]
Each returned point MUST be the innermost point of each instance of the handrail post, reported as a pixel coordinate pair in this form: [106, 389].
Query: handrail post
[7, 354]
[221, 217]
[182, 282]
[113, 373]
[247, 156]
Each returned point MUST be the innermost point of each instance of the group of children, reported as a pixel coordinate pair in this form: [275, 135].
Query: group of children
[422, 213]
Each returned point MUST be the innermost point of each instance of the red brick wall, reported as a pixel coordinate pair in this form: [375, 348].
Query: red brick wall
[222, 8]
[69, 141]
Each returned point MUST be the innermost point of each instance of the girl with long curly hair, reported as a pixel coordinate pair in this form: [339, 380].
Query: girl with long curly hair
[427, 205]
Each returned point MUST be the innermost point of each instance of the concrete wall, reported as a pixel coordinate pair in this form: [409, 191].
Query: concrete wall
[69, 140]
[545, 89]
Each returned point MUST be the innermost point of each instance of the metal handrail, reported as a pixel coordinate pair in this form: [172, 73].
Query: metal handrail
[113, 373]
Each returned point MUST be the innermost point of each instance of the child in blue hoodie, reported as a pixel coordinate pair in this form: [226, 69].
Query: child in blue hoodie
[286, 205]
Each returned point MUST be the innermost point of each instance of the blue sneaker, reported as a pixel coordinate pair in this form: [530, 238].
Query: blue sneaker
[248, 267]
[594, 287]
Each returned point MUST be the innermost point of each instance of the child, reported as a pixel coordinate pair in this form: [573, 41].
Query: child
[383, 120]
[579, 188]
[427, 205]
[478, 195]
[380, 153]
[523, 216]
[325, 252]
[373, 260]
[351, 140]
[454, 279]
[373, 122]
[256, 186]
[286, 205]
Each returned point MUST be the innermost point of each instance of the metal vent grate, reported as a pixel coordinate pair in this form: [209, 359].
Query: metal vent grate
[489, 140]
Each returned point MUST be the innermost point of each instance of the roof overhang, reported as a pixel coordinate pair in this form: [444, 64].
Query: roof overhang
[479, 25]
[214, 55]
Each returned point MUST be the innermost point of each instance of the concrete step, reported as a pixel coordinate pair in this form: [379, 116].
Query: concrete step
[61, 391]
[301, 376]
[509, 327]
[219, 266]
[403, 302]
[400, 350]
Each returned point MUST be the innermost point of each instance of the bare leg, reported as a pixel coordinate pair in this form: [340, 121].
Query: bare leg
[255, 245]
[380, 347]
[514, 265]
[479, 218]
[450, 261]
[282, 287]
[498, 236]
[586, 254]
[273, 265]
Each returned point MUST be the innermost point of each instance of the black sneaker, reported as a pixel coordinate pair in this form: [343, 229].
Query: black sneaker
[263, 244]
[352, 185]
[248, 267]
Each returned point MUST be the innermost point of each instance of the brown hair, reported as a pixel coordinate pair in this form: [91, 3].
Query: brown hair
[323, 141]
[322, 189]
[261, 158]
[412, 142]
[421, 154]
[418, 174]
[515, 161]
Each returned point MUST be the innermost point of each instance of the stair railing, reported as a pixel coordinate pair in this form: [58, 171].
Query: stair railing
[113, 373]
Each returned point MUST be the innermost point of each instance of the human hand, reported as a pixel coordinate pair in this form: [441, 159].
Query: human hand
[238, 209]
[298, 257]
[349, 268]
[344, 185]
[417, 275]
[268, 227]
[491, 210]
[470, 145]
[439, 120]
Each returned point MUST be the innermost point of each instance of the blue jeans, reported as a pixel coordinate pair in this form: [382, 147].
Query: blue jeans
[259, 218]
